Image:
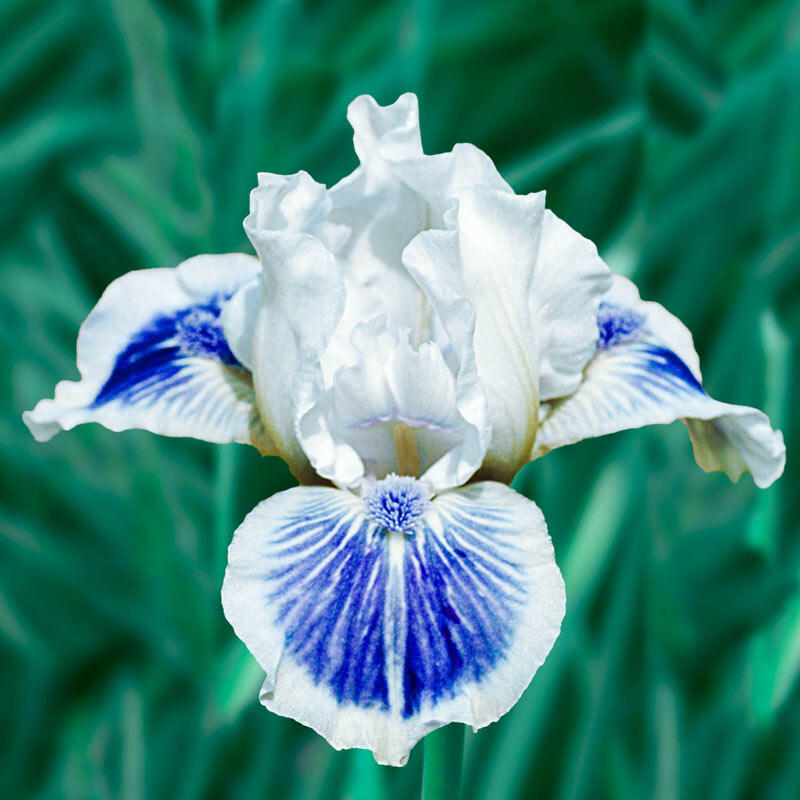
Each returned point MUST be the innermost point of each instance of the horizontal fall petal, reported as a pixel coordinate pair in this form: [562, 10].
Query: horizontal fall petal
[645, 371]
[153, 354]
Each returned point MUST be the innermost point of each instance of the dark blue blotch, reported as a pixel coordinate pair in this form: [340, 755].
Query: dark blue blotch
[156, 357]
[616, 324]
[662, 361]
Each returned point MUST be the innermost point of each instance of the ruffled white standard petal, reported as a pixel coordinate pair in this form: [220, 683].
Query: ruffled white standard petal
[396, 192]
[388, 142]
[535, 285]
[382, 215]
[375, 637]
[301, 304]
[396, 409]
[153, 354]
[645, 371]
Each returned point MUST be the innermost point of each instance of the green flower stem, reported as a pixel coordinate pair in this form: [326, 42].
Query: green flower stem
[444, 754]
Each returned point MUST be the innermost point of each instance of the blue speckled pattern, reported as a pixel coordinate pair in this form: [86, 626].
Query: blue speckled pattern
[158, 357]
[393, 621]
[616, 324]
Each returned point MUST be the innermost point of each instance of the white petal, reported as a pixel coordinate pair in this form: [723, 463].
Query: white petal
[382, 218]
[385, 132]
[395, 410]
[239, 316]
[535, 286]
[498, 237]
[375, 637]
[646, 371]
[301, 305]
[294, 204]
[387, 141]
[152, 354]
[395, 193]
[382, 214]
[568, 285]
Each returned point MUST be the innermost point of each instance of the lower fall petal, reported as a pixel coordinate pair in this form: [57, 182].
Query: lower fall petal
[375, 637]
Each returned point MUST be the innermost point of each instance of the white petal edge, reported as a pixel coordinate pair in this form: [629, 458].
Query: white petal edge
[568, 286]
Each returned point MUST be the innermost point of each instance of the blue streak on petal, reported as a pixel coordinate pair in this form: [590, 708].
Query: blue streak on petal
[659, 369]
[331, 597]
[156, 358]
[663, 361]
[461, 609]
[442, 616]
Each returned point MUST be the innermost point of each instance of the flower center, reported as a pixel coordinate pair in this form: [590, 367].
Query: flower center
[396, 503]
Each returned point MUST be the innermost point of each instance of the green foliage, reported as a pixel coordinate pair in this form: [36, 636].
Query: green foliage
[669, 133]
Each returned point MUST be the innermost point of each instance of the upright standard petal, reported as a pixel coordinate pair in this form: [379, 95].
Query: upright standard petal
[535, 285]
[388, 142]
[396, 192]
[385, 133]
[380, 619]
[382, 215]
[300, 307]
[153, 354]
[645, 371]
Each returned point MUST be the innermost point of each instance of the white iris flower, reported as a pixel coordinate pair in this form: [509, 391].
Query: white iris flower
[406, 341]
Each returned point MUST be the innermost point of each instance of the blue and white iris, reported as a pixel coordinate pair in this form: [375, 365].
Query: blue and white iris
[406, 340]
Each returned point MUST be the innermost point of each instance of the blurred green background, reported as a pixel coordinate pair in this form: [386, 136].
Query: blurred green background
[130, 134]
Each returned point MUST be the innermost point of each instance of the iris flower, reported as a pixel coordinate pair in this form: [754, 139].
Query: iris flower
[406, 341]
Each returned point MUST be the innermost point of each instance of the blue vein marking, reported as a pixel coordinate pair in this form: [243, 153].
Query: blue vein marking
[460, 616]
[155, 359]
[662, 361]
[446, 620]
[330, 593]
